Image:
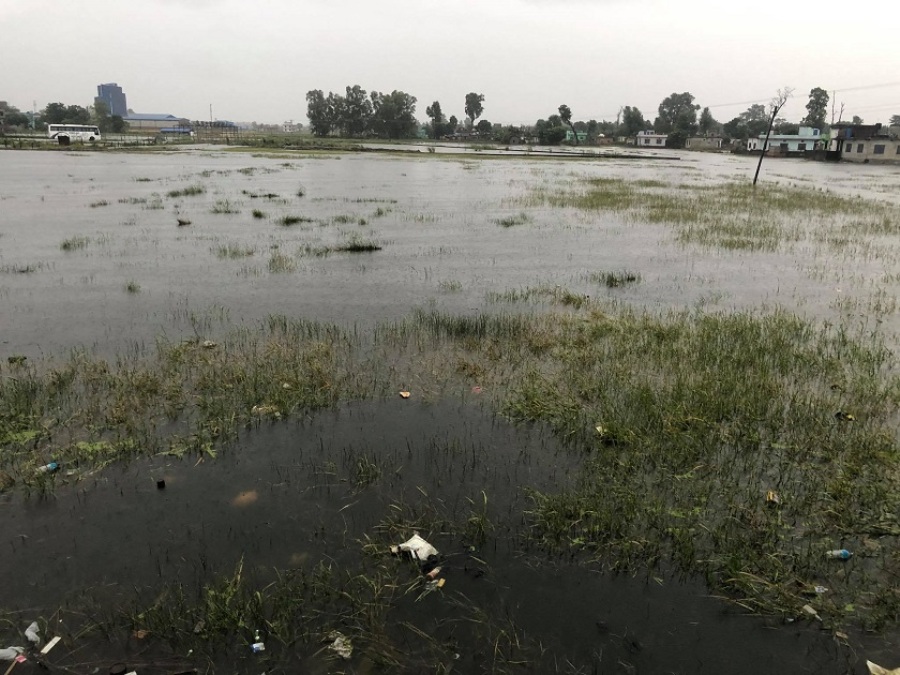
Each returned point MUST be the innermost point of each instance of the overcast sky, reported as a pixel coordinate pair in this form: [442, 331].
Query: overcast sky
[255, 61]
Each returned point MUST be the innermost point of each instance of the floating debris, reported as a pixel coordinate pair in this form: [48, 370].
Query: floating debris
[839, 554]
[50, 645]
[340, 644]
[404, 394]
[266, 411]
[773, 497]
[842, 416]
[245, 498]
[416, 547]
[208, 344]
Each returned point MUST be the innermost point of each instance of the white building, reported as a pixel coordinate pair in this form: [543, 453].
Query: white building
[804, 140]
[650, 139]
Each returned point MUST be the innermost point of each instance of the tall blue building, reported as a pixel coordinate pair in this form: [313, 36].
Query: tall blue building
[113, 96]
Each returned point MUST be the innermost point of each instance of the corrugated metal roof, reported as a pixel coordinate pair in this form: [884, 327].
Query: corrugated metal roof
[150, 117]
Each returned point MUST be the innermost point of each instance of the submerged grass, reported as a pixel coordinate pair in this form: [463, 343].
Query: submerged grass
[733, 216]
[189, 191]
[686, 422]
[74, 243]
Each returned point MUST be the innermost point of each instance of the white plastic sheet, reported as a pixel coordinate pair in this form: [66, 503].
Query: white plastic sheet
[417, 547]
[10, 653]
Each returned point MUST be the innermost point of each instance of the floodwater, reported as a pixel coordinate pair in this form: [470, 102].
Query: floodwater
[284, 496]
[435, 219]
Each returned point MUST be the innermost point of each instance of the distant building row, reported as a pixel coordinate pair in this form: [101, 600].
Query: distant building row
[861, 143]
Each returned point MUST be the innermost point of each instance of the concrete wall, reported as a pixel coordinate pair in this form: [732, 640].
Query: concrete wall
[868, 151]
[699, 143]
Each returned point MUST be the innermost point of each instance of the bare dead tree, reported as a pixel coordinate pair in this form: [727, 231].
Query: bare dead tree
[776, 104]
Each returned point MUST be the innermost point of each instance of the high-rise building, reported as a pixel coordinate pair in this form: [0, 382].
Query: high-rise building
[114, 98]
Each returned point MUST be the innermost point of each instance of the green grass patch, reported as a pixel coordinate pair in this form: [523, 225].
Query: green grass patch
[189, 191]
[74, 243]
[287, 221]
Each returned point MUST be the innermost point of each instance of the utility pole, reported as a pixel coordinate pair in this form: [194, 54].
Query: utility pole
[776, 105]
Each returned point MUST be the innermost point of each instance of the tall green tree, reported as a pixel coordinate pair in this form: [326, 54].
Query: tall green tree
[356, 113]
[895, 121]
[60, 113]
[632, 121]
[474, 106]
[707, 124]
[550, 131]
[565, 114]
[677, 112]
[816, 108]
[394, 114]
[751, 123]
[437, 119]
[11, 116]
[320, 112]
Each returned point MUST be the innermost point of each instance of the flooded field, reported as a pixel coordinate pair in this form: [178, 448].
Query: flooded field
[644, 401]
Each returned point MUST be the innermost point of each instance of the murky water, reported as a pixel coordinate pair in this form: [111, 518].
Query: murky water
[435, 218]
[285, 495]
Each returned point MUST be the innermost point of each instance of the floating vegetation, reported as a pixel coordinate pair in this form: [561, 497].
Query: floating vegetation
[225, 206]
[279, 262]
[74, 243]
[615, 279]
[132, 287]
[189, 191]
[287, 221]
[344, 219]
[22, 268]
[133, 200]
[512, 221]
[183, 222]
[155, 203]
[357, 245]
[234, 251]
[450, 286]
[102, 202]
[259, 214]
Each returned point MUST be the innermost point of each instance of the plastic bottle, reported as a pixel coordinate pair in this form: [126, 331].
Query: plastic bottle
[839, 554]
[52, 467]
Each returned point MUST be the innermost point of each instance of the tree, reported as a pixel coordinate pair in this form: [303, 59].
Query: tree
[857, 120]
[677, 112]
[474, 107]
[816, 108]
[550, 131]
[452, 124]
[60, 113]
[356, 112]
[320, 112]
[10, 116]
[708, 123]
[437, 119]
[751, 123]
[100, 115]
[565, 114]
[895, 121]
[394, 114]
[632, 121]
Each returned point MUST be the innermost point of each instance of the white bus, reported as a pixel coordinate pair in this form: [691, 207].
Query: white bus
[74, 132]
